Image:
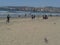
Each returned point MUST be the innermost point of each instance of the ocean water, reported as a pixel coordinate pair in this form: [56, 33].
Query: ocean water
[22, 13]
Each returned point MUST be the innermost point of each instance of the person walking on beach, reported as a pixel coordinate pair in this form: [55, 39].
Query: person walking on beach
[8, 18]
[33, 16]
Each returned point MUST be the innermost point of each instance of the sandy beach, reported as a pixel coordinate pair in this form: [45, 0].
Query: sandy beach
[25, 31]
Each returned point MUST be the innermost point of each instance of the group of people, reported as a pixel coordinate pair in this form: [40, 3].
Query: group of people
[8, 17]
[45, 17]
[32, 16]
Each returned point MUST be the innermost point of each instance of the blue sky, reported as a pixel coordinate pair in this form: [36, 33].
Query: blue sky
[33, 3]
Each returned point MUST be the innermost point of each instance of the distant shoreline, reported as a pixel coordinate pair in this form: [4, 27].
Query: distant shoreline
[32, 9]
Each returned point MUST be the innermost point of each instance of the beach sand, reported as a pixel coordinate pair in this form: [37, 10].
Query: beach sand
[25, 31]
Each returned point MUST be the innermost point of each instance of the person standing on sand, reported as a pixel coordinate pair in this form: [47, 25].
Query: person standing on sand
[8, 18]
[33, 16]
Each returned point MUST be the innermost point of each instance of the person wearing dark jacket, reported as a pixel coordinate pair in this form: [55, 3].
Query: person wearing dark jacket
[8, 18]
